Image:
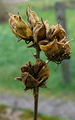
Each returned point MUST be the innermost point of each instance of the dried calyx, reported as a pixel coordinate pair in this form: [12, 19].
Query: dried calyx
[52, 41]
[34, 75]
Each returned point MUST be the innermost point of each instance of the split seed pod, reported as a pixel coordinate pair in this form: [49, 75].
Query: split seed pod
[39, 31]
[56, 51]
[56, 32]
[34, 75]
[20, 28]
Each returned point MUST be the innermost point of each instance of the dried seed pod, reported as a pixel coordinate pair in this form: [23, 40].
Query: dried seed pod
[34, 75]
[56, 32]
[20, 28]
[32, 18]
[39, 31]
[56, 51]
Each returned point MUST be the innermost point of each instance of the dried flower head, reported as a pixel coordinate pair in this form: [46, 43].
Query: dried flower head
[55, 50]
[34, 75]
[20, 28]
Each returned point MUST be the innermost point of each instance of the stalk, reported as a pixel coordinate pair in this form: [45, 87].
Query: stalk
[36, 91]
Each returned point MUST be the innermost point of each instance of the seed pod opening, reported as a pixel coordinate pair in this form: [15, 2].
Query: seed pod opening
[56, 32]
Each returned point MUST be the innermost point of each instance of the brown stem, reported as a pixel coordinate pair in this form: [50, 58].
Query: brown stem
[37, 52]
[36, 91]
[36, 94]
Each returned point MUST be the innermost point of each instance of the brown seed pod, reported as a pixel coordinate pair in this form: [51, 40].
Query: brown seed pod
[34, 75]
[56, 51]
[32, 18]
[20, 28]
[56, 32]
[39, 31]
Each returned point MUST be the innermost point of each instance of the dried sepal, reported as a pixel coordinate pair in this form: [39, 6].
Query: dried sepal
[34, 75]
[43, 73]
[56, 51]
[27, 68]
[20, 28]
[56, 32]
[32, 18]
[29, 81]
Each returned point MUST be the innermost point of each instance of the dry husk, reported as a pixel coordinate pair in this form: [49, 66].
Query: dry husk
[34, 75]
[56, 51]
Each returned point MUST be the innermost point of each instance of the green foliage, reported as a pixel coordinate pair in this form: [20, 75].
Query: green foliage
[13, 55]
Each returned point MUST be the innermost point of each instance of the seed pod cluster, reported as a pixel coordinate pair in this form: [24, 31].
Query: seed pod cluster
[52, 41]
[34, 75]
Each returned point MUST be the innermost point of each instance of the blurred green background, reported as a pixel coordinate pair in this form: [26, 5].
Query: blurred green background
[13, 55]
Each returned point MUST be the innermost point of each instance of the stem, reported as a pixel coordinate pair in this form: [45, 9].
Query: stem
[36, 91]
[36, 94]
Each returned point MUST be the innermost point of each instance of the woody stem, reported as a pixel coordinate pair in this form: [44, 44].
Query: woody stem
[36, 91]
